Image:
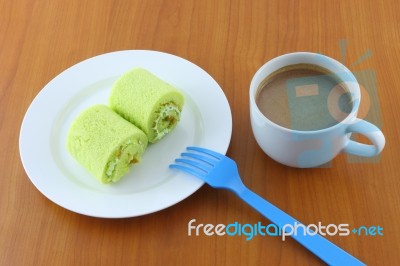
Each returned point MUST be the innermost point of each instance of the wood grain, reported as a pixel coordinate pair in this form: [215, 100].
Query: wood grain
[230, 40]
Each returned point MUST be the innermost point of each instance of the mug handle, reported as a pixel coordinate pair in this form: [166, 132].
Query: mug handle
[373, 133]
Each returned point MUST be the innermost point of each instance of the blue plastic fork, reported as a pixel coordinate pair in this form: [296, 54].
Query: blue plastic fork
[220, 171]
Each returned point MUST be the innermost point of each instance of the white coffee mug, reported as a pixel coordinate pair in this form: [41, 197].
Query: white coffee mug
[313, 148]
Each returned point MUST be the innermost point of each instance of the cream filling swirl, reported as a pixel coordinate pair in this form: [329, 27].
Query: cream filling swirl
[167, 117]
[124, 154]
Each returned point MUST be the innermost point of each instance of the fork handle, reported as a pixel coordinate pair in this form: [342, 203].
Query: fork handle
[320, 246]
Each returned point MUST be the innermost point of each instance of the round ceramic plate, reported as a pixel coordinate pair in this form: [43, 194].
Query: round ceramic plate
[150, 185]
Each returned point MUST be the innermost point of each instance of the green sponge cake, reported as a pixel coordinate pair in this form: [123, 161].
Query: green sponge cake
[105, 143]
[151, 104]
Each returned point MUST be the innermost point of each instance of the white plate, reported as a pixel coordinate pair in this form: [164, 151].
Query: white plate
[150, 185]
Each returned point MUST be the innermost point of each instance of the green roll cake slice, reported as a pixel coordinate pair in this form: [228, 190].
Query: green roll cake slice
[148, 102]
[105, 143]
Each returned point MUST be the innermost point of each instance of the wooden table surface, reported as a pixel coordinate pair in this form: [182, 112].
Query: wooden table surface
[230, 40]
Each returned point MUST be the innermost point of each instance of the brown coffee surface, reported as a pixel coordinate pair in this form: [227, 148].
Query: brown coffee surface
[304, 97]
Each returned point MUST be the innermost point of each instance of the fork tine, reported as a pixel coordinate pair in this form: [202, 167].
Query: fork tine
[200, 157]
[199, 165]
[187, 170]
[206, 151]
